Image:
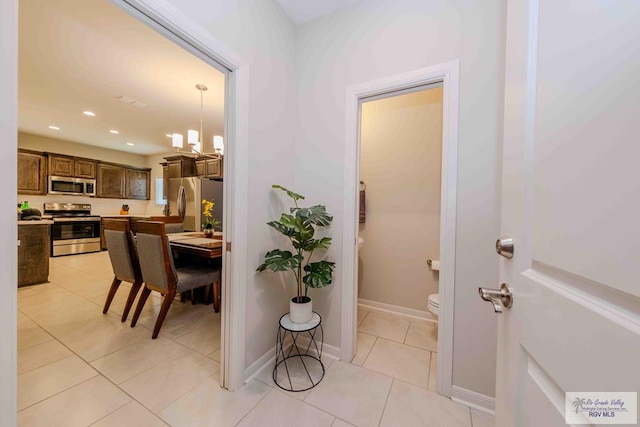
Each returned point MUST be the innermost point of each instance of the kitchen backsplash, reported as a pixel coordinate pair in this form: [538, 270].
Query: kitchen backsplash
[98, 206]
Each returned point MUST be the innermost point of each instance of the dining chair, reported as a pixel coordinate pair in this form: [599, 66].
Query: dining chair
[124, 261]
[160, 274]
[173, 224]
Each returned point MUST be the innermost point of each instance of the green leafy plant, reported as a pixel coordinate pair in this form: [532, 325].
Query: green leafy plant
[299, 225]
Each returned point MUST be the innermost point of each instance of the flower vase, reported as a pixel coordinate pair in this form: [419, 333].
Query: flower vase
[208, 233]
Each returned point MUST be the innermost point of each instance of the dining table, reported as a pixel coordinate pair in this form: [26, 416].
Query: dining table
[194, 243]
[190, 243]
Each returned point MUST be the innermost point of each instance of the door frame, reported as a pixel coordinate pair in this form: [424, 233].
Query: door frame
[173, 24]
[448, 74]
[164, 18]
[8, 229]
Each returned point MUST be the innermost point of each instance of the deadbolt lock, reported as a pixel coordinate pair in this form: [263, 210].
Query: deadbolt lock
[504, 247]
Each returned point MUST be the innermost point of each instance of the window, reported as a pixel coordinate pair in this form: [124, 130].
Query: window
[160, 197]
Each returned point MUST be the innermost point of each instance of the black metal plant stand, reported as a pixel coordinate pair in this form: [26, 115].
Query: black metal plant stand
[302, 360]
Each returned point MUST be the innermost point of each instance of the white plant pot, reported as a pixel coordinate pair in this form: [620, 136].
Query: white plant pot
[300, 312]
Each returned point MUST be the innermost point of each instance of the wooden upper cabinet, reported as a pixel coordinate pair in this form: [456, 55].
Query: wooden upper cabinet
[61, 165]
[84, 168]
[213, 168]
[209, 167]
[137, 184]
[200, 167]
[110, 181]
[180, 166]
[32, 172]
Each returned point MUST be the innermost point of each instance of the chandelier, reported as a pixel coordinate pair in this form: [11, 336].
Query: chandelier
[194, 138]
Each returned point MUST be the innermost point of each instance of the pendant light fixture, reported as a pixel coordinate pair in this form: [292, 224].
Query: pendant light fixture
[194, 137]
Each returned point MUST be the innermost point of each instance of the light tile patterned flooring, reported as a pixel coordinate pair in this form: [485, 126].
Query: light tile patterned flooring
[78, 367]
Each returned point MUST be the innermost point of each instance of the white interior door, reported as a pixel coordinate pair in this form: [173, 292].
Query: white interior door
[571, 202]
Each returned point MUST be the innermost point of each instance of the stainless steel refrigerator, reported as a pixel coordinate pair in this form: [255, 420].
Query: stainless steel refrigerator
[185, 199]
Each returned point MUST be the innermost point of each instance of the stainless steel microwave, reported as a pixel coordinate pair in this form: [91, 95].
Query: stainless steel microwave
[72, 186]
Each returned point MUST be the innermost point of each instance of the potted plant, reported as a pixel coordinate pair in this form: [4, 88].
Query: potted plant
[210, 223]
[299, 226]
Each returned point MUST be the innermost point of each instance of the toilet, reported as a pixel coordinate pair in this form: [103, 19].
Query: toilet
[434, 304]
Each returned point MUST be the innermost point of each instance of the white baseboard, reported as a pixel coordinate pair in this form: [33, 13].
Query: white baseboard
[410, 313]
[474, 400]
[269, 358]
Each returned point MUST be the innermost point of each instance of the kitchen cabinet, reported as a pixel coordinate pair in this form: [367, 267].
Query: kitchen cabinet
[137, 183]
[84, 168]
[61, 165]
[180, 166]
[110, 181]
[33, 252]
[176, 167]
[209, 167]
[32, 172]
[121, 182]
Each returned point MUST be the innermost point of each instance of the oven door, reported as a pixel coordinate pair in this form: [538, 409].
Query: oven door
[74, 236]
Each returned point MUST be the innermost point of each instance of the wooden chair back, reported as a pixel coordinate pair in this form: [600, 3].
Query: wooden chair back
[156, 262]
[174, 224]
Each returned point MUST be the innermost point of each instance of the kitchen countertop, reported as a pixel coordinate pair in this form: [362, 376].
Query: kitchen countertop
[125, 216]
[42, 222]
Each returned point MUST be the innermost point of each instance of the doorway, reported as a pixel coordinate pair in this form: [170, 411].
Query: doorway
[399, 232]
[145, 49]
[184, 32]
[445, 75]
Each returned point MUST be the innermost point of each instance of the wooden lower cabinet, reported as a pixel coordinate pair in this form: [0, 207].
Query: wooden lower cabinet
[33, 254]
[32, 172]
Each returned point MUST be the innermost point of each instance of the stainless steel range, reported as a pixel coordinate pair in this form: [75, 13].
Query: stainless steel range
[74, 229]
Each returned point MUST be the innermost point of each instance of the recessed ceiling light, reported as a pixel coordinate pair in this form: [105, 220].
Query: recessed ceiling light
[114, 131]
[54, 127]
[131, 144]
[89, 113]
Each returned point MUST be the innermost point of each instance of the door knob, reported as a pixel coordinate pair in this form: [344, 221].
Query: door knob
[500, 298]
[504, 247]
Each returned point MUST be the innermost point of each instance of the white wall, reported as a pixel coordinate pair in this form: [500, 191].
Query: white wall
[260, 33]
[379, 38]
[401, 165]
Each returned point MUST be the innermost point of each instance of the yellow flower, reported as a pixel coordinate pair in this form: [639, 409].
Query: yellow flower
[207, 208]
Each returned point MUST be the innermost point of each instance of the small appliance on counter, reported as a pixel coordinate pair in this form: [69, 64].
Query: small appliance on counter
[26, 213]
[30, 214]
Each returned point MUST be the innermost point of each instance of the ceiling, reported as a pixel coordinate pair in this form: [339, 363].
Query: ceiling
[77, 55]
[303, 11]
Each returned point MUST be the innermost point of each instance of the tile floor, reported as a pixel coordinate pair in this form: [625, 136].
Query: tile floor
[78, 367]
